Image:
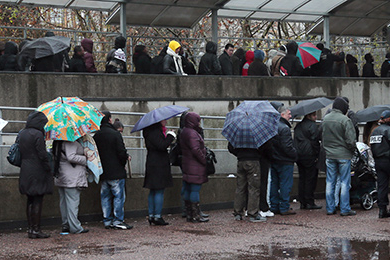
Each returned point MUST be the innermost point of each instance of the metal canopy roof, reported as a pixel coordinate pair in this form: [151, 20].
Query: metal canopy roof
[73, 4]
[357, 18]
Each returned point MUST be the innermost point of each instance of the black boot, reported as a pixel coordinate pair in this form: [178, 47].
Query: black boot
[160, 222]
[188, 210]
[196, 217]
[29, 221]
[36, 221]
[383, 213]
[202, 214]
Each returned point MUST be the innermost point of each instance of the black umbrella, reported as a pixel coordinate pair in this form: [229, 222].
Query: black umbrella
[45, 46]
[371, 114]
[306, 107]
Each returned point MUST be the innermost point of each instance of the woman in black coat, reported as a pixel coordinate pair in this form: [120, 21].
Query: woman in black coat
[35, 178]
[142, 60]
[158, 169]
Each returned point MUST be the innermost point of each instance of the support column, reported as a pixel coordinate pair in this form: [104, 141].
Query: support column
[214, 25]
[326, 32]
[123, 19]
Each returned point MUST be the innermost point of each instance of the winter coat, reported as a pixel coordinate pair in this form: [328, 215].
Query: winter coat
[193, 150]
[35, 174]
[172, 63]
[368, 70]
[87, 44]
[324, 68]
[112, 152]
[385, 68]
[209, 63]
[158, 168]
[142, 62]
[290, 65]
[249, 56]
[157, 62]
[283, 146]
[307, 140]
[77, 64]
[352, 69]
[380, 142]
[338, 135]
[188, 66]
[116, 61]
[275, 67]
[238, 61]
[226, 64]
[258, 68]
[9, 61]
[43, 64]
[72, 172]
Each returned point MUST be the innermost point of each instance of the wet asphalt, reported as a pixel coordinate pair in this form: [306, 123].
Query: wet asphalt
[310, 234]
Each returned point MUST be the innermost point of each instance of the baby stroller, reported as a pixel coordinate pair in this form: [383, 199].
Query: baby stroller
[363, 177]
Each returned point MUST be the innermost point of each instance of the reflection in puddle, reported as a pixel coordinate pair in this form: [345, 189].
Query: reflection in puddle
[89, 250]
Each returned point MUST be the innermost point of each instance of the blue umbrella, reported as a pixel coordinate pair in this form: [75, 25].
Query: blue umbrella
[251, 124]
[157, 115]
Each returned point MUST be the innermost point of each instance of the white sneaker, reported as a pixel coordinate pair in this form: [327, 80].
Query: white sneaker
[267, 214]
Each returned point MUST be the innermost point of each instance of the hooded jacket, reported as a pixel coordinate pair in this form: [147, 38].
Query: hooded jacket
[352, 69]
[193, 150]
[116, 58]
[257, 67]
[226, 64]
[290, 65]
[87, 44]
[249, 56]
[9, 61]
[209, 63]
[172, 63]
[284, 150]
[35, 174]
[238, 61]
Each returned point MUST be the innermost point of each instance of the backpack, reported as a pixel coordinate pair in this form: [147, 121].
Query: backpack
[116, 62]
[14, 156]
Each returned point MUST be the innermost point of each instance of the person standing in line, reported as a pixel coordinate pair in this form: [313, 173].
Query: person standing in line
[385, 68]
[141, 59]
[352, 69]
[87, 44]
[226, 61]
[238, 61]
[157, 62]
[275, 65]
[118, 125]
[282, 166]
[193, 166]
[265, 158]
[172, 63]
[35, 179]
[158, 168]
[307, 143]
[209, 63]
[77, 64]
[290, 65]
[71, 179]
[368, 68]
[116, 58]
[249, 57]
[380, 146]
[9, 60]
[338, 137]
[113, 155]
[257, 67]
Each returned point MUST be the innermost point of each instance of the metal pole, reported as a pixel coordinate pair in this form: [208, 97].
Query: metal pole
[326, 32]
[123, 19]
[214, 25]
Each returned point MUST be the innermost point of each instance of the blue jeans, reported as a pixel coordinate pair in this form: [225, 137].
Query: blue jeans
[112, 193]
[281, 185]
[334, 168]
[155, 203]
[191, 191]
[337, 192]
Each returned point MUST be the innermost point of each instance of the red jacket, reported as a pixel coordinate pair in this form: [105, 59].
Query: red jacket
[250, 55]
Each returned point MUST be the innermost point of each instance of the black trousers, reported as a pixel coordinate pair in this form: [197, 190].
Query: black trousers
[383, 172]
[308, 174]
[264, 169]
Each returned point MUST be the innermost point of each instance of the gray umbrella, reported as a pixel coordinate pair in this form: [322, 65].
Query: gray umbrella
[371, 114]
[306, 107]
[45, 46]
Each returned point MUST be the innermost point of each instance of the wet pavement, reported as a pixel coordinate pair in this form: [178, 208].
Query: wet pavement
[310, 234]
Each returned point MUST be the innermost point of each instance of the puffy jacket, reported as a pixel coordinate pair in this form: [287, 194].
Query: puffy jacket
[72, 172]
[193, 150]
[380, 142]
[249, 56]
[112, 152]
[9, 60]
[226, 64]
[283, 146]
[87, 44]
[209, 63]
[338, 136]
[306, 140]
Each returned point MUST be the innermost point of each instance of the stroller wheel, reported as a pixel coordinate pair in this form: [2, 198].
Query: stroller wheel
[367, 201]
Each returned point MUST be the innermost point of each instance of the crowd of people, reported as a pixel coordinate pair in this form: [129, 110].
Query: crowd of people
[173, 59]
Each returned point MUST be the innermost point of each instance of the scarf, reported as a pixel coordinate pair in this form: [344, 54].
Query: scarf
[177, 61]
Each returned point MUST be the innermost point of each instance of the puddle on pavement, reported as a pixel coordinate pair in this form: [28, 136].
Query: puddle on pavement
[333, 249]
[89, 250]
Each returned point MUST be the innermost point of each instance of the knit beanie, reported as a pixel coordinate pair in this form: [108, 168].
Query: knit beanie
[340, 104]
[259, 54]
[174, 45]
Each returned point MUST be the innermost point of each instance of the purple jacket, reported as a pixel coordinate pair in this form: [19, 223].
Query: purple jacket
[194, 151]
[87, 44]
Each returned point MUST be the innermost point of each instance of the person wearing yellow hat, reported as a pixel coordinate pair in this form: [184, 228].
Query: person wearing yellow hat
[172, 63]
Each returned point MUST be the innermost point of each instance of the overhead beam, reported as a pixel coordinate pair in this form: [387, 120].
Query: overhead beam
[123, 19]
[326, 32]
[214, 25]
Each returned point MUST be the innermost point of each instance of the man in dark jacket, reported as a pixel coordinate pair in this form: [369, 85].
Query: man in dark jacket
[225, 60]
[380, 146]
[368, 68]
[116, 58]
[324, 68]
[141, 59]
[385, 68]
[87, 44]
[282, 167]
[238, 61]
[257, 67]
[209, 63]
[9, 61]
[77, 64]
[306, 140]
[290, 65]
[114, 156]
